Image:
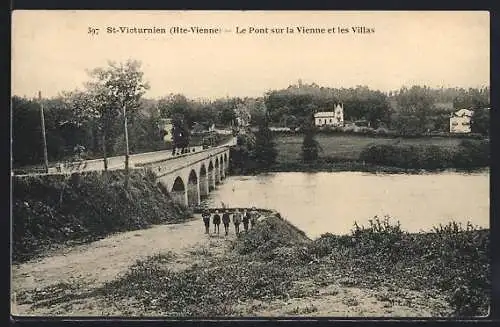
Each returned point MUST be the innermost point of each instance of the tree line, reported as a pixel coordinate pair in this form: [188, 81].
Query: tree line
[408, 110]
[93, 118]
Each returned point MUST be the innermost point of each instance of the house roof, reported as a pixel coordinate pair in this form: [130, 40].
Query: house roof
[463, 112]
[323, 114]
[198, 128]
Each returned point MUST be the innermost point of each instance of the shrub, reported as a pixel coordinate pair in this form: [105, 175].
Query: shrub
[269, 234]
[310, 147]
[51, 210]
[453, 259]
[470, 154]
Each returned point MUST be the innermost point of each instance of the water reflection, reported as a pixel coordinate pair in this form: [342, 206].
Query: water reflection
[331, 202]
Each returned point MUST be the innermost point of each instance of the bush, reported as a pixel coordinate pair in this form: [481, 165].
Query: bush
[473, 154]
[310, 147]
[269, 234]
[52, 210]
[470, 154]
[453, 259]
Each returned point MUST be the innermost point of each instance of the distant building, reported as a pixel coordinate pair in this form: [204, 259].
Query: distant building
[460, 121]
[166, 126]
[330, 118]
[280, 129]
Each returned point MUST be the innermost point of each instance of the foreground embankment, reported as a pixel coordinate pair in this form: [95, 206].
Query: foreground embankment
[51, 210]
[275, 270]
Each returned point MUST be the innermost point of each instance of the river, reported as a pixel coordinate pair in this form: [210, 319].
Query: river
[331, 202]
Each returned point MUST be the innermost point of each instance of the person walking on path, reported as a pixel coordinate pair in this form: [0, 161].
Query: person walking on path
[246, 219]
[226, 220]
[216, 221]
[237, 221]
[254, 215]
[206, 220]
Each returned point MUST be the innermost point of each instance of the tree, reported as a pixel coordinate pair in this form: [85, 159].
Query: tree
[480, 122]
[62, 132]
[116, 90]
[227, 115]
[265, 152]
[416, 102]
[26, 132]
[240, 158]
[310, 147]
[82, 119]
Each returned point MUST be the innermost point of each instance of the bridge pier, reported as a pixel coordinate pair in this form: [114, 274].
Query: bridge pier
[180, 197]
[193, 195]
[204, 188]
[217, 174]
[193, 189]
[222, 171]
[211, 180]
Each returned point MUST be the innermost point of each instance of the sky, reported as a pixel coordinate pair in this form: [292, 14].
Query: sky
[52, 50]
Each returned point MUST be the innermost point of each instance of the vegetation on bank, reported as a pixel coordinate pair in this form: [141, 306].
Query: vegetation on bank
[319, 152]
[470, 154]
[54, 209]
[270, 261]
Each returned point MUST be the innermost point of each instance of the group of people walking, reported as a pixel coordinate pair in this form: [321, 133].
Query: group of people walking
[246, 217]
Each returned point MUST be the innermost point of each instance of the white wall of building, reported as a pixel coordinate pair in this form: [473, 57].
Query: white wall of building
[330, 118]
[460, 121]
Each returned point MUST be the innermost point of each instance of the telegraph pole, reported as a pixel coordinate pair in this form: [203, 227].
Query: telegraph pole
[45, 155]
[126, 145]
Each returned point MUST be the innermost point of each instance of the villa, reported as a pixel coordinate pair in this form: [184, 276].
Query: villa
[333, 118]
[460, 121]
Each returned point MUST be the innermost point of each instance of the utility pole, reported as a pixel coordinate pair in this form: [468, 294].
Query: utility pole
[126, 145]
[42, 118]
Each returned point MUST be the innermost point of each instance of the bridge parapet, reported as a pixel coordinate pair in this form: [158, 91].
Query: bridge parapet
[169, 165]
[190, 177]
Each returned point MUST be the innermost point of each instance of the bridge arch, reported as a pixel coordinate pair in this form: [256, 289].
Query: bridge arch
[211, 176]
[217, 171]
[178, 191]
[203, 182]
[193, 192]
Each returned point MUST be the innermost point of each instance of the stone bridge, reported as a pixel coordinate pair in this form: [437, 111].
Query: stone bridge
[189, 178]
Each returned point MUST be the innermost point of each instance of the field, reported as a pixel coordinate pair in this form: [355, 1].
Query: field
[348, 147]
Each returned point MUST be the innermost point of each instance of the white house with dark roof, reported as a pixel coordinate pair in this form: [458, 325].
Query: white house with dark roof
[460, 121]
[333, 118]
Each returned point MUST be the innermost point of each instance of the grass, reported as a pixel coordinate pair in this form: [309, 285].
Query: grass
[348, 147]
[269, 264]
[275, 262]
[453, 260]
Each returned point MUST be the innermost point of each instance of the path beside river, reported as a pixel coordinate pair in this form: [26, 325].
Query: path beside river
[61, 283]
[98, 262]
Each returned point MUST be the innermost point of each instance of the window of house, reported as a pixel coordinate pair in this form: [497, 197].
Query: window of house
[454, 123]
[330, 120]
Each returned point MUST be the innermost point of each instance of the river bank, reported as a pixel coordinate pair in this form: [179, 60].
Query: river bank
[273, 270]
[366, 154]
[52, 211]
[357, 166]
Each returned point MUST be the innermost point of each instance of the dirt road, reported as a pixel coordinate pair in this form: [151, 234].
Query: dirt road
[89, 266]
[104, 260]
